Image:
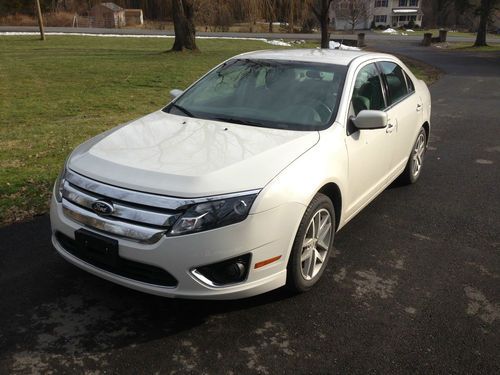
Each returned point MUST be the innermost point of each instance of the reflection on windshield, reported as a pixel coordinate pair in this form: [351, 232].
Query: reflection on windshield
[268, 93]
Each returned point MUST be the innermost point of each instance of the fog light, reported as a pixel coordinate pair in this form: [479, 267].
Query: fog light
[230, 271]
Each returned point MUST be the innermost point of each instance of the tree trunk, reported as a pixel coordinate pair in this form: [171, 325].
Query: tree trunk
[325, 40]
[290, 17]
[322, 14]
[183, 14]
[40, 19]
[484, 13]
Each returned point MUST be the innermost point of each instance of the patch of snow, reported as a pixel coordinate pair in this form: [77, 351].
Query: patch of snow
[390, 31]
[336, 45]
[410, 31]
[273, 42]
[27, 33]
[278, 43]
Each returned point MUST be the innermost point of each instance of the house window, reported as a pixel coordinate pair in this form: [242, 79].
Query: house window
[381, 3]
[403, 18]
[403, 3]
[413, 3]
[380, 19]
[412, 18]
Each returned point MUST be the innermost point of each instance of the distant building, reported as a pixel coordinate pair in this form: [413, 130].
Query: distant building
[397, 12]
[393, 13]
[134, 17]
[107, 15]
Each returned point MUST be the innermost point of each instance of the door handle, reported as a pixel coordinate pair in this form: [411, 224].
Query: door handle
[390, 128]
[419, 107]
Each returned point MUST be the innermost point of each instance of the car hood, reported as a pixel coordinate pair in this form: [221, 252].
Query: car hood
[185, 157]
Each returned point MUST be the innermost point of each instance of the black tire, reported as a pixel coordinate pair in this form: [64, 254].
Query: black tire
[410, 175]
[296, 280]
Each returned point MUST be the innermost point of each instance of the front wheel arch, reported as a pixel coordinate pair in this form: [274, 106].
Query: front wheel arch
[332, 191]
[427, 129]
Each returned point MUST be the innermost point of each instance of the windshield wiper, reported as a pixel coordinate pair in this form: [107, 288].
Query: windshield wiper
[237, 121]
[182, 109]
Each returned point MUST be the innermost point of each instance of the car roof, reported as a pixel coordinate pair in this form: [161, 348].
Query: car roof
[328, 56]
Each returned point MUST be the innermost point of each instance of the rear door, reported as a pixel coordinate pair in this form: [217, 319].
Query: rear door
[404, 112]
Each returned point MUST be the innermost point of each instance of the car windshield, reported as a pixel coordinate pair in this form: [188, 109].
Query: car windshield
[268, 93]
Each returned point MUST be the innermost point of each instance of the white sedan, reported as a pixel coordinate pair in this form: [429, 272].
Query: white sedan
[238, 186]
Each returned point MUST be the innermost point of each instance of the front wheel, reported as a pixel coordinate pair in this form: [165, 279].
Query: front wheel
[311, 248]
[415, 162]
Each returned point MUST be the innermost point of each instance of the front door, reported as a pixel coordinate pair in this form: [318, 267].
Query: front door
[370, 151]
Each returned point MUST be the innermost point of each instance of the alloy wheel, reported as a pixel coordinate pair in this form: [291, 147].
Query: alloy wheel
[418, 155]
[316, 243]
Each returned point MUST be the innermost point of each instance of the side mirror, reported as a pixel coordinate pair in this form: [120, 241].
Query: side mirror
[368, 119]
[175, 93]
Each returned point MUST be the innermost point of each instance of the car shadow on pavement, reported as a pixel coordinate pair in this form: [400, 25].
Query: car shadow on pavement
[54, 307]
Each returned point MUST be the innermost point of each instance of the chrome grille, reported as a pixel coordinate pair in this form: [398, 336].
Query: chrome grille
[137, 216]
[127, 212]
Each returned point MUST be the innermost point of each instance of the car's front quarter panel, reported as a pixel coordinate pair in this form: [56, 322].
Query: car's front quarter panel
[325, 163]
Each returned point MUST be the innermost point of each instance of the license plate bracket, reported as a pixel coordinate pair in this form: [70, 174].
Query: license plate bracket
[97, 247]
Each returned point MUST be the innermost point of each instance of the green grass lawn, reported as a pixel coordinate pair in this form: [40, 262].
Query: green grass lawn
[469, 48]
[435, 32]
[58, 93]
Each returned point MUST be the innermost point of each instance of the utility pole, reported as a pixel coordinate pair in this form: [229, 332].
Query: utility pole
[40, 19]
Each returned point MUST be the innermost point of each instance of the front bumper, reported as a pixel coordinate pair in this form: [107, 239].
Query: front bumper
[265, 235]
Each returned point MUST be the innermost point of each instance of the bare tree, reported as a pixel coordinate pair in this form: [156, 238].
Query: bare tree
[354, 11]
[321, 9]
[215, 15]
[485, 11]
[269, 11]
[183, 15]
[252, 11]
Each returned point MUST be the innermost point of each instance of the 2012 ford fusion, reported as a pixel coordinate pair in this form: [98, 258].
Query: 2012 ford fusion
[238, 185]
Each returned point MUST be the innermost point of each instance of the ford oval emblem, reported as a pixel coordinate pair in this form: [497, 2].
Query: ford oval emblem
[102, 207]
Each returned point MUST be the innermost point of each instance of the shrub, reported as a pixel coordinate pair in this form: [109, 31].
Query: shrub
[49, 19]
[18, 19]
[59, 19]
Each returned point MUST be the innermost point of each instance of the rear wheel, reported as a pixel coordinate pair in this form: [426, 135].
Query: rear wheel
[416, 160]
[312, 245]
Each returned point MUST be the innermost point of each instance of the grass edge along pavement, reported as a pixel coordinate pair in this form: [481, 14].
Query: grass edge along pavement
[56, 94]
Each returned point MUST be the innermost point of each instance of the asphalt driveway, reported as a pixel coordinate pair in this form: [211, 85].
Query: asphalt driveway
[413, 285]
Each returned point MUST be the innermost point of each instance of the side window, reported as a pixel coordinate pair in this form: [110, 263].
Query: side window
[409, 83]
[396, 82]
[367, 90]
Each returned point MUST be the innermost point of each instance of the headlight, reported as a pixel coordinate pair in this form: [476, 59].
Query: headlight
[215, 214]
[59, 185]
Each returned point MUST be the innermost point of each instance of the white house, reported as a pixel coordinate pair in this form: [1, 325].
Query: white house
[392, 13]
